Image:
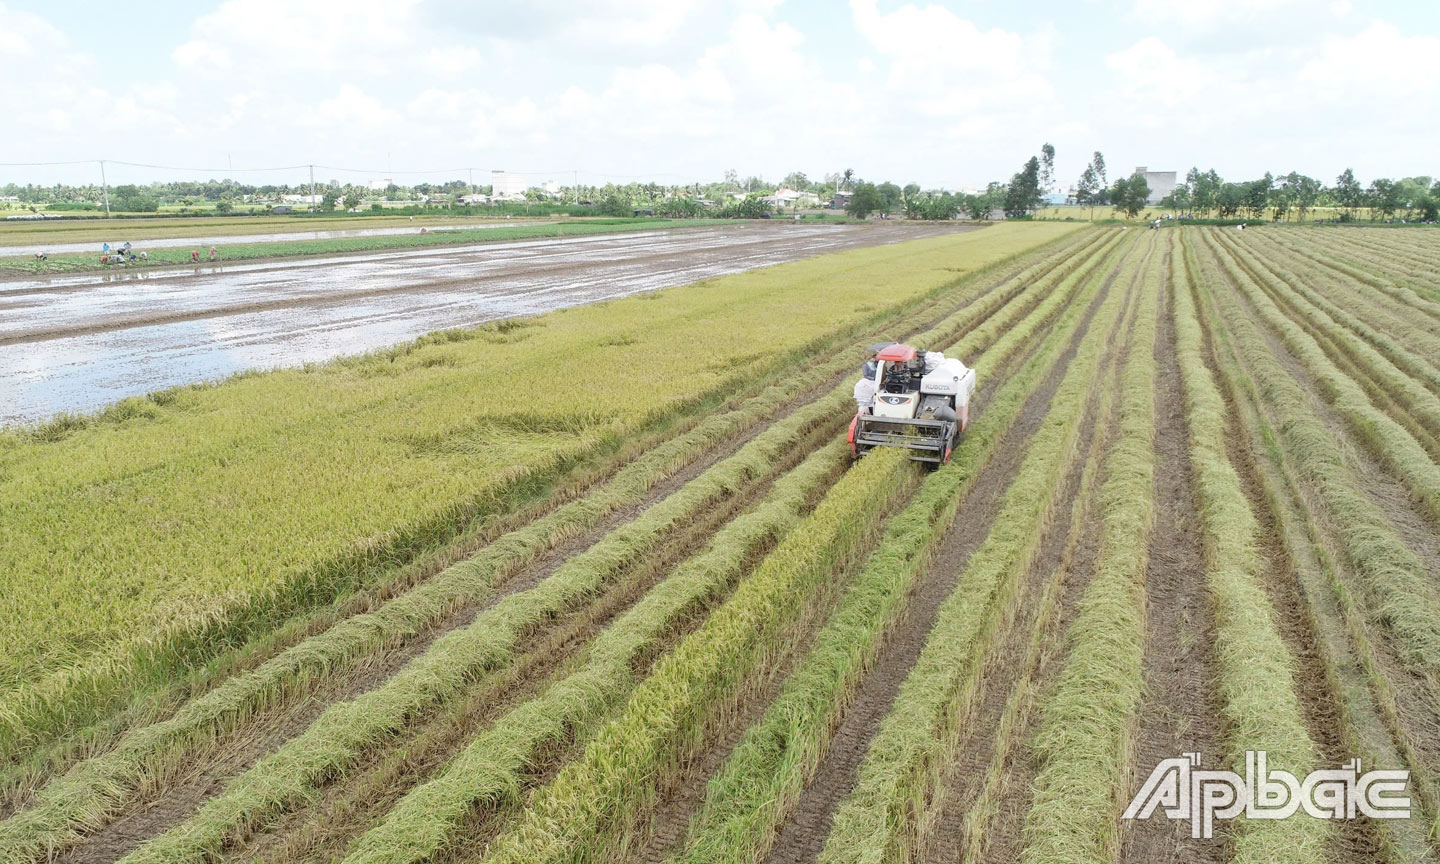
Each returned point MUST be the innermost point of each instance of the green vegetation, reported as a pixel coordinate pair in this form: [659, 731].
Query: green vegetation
[395, 610]
[879, 819]
[763, 778]
[1084, 739]
[579, 815]
[1256, 679]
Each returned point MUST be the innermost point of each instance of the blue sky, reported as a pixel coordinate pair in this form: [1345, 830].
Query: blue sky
[944, 94]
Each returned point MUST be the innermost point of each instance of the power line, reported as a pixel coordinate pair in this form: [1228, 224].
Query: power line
[43, 164]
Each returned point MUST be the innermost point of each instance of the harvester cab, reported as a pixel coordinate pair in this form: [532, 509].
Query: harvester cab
[921, 403]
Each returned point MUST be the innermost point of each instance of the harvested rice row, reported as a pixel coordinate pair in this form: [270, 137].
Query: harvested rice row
[1256, 668]
[1395, 584]
[286, 776]
[1370, 723]
[1411, 297]
[442, 804]
[1344, 296]
[106, 782]
[1377, 357]
[103, 784]
[1393, 331]
[490, 771]
[454, 663]
[582, 814]
[390, 456]
[763, 778]
[538, 838]
[985, 809]
[1388, 440]
[878, 821]
[1084, 740]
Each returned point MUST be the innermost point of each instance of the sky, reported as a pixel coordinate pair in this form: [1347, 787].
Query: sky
[945, 94]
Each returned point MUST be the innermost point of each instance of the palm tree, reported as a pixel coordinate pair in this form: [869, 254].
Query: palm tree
[847, 178]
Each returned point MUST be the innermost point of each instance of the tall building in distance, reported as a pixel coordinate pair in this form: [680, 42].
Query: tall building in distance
[506, 186]
[1162, 183]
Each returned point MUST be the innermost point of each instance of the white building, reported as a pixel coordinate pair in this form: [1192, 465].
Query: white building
[381, 185]
[1162, 183]
[791, 198]
[312, 200]
[476, 198]
[507, 187]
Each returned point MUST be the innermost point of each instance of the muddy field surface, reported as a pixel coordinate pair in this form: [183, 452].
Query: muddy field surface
[77, 343]
[204, 241]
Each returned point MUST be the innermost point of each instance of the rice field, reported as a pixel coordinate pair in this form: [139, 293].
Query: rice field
[394, 609]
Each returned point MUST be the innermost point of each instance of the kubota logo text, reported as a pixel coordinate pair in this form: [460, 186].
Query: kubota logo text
[1201, 796]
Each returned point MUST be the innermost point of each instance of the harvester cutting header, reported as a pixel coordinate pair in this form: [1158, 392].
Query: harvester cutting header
[911, 398]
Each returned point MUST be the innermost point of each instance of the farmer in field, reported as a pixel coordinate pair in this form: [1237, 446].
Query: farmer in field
[214, 253]
[865, 387]
[194, 256]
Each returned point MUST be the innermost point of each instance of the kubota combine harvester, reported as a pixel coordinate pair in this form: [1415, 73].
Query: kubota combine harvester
[920, 400]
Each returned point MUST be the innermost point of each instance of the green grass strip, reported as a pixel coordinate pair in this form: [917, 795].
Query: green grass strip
[1395, 579]
[490, 771]
[765, 775]
[1255, 665]
[1085, 735]
[579, 816]
[878, 821]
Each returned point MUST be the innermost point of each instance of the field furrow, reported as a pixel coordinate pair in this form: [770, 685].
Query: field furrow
[884, 814]
[965, 802]
[1385, 570]
[1401, 393]
[455, 594]
[666, 617]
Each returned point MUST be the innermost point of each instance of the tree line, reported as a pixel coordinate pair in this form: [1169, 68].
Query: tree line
[1204, 194]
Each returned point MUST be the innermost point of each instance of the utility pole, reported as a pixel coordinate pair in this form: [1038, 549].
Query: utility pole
[472, 180]
[312, 188]
[106, 187]
[577, 188]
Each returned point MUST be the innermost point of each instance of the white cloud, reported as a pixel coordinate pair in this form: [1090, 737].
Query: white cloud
[905, 89]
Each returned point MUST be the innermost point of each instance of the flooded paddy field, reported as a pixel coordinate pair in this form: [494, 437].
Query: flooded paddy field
[77, 343]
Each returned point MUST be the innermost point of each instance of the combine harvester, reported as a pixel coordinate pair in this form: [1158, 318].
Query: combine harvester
[911, 398]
